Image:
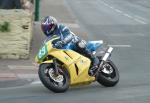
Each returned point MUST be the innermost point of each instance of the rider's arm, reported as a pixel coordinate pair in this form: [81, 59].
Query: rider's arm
[67, 34]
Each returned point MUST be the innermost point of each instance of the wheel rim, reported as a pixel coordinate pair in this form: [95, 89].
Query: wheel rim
[57, 80]
[108, 71]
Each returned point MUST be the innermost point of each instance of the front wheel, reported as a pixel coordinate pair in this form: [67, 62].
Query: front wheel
[109, 74]
[56, 83]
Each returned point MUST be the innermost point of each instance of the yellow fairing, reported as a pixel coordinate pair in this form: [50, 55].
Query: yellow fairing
[79, 68]
[76, 64]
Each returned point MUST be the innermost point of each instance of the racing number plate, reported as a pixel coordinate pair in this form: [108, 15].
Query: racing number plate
[43, 52]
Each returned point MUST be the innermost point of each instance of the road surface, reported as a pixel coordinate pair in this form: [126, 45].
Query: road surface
[123, 24]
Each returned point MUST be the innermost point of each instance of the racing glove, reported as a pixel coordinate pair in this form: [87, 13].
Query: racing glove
[59, 44]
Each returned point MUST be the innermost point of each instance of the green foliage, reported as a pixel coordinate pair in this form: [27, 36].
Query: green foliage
[5, 27]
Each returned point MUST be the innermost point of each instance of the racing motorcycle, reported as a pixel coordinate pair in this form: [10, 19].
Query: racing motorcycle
[61, 68]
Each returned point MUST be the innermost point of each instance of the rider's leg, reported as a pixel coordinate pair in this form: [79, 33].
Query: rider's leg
[94, 59]
[82, 48]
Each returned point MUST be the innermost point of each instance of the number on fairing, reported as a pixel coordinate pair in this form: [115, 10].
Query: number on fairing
[42, 52]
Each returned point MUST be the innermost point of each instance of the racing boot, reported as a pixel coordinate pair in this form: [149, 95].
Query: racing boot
[94, 65]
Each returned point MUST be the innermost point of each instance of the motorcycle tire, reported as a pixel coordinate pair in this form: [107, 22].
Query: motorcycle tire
[112, 79]
[47, 81]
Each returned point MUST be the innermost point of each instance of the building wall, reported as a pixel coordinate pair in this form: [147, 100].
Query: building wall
[15, 43]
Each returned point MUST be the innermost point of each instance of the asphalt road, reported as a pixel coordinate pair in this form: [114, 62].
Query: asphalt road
[124, 24]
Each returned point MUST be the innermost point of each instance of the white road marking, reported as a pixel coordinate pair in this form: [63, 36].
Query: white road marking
[106, 4]
[7, 75]
[27, 76]
[127, 15]
[119, 11]
[36, 82]
[140, 34]
[13, 67]
[111, 7]
[140, 21]
[127, 34]
[136, 18]
[121, 46]
[144, 19]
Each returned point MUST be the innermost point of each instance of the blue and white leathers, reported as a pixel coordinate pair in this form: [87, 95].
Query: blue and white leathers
[91, 45]
[65, 34]
[71, 39]
[94, 45]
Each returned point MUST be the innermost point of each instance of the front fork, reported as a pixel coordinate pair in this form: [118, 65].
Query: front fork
[105, 58]
[56, 66]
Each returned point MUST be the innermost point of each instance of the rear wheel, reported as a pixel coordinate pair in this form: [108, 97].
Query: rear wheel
[56, 83]
[109, 75]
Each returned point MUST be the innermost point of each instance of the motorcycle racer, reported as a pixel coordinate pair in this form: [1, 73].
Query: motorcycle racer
[50, 27]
